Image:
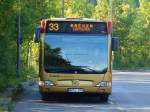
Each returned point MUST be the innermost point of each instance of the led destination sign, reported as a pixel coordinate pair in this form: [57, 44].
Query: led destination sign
[76, 27]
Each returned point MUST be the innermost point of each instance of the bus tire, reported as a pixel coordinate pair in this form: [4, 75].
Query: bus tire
[104, 97]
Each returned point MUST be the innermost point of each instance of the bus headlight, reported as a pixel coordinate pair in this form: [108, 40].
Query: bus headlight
[41, 83]
[46, 83]
[103, 84]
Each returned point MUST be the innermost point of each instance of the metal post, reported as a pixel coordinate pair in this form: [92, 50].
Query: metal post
[62, 8]
[43, 9]
[19, 41]
[110, 2]
[49, 14]
[18, 46]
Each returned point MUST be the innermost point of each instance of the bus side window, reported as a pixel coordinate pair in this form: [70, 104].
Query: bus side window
[37, 35]
[115, 44]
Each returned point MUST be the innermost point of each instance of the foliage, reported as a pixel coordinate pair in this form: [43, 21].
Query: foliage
[8, 12]
[131, 26]
[31, 13]
[52, 8]
[76, 9]
[102, 10]
[7, 42]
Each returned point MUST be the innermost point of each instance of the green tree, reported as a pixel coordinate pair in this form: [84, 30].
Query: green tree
[139, 35]
[102, 10]
[131, 25]
[82, 9]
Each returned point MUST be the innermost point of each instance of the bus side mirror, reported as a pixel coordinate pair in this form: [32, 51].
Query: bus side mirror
[115, 44]
[37, 35]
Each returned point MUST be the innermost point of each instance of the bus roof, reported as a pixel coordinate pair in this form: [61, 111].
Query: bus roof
[75, 19]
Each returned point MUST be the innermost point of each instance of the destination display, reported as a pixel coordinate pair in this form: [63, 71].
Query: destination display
[76, 27]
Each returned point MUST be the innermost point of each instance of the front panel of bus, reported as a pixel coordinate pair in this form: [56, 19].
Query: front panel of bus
[74, 61]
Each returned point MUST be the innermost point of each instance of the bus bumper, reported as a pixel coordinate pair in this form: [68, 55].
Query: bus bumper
[85, 90]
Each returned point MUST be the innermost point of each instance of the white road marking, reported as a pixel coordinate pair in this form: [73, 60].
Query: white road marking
[132, 73]
[97, 108]
[131, 81]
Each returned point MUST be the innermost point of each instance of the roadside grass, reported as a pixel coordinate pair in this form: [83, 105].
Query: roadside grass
[11, 81]
[6, 103]
[1, 109]
[8, 86]
[11, 86]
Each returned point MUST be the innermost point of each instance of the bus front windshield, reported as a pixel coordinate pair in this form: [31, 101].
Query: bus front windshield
[74, 53]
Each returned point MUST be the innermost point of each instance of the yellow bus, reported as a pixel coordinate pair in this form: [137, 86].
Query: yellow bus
[75, 56]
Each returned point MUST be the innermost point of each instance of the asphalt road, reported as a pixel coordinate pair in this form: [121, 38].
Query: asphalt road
[131, 93]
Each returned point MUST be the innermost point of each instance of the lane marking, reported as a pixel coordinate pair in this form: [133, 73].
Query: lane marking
[83, 107]
[132, 73]
[131, 81]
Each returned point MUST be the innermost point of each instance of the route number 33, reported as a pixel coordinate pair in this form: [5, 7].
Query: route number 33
[53, 27]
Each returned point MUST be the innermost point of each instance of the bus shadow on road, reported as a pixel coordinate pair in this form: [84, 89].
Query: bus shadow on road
[84, 99]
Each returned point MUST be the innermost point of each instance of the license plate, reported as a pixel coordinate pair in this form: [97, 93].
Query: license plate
[75, 90]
